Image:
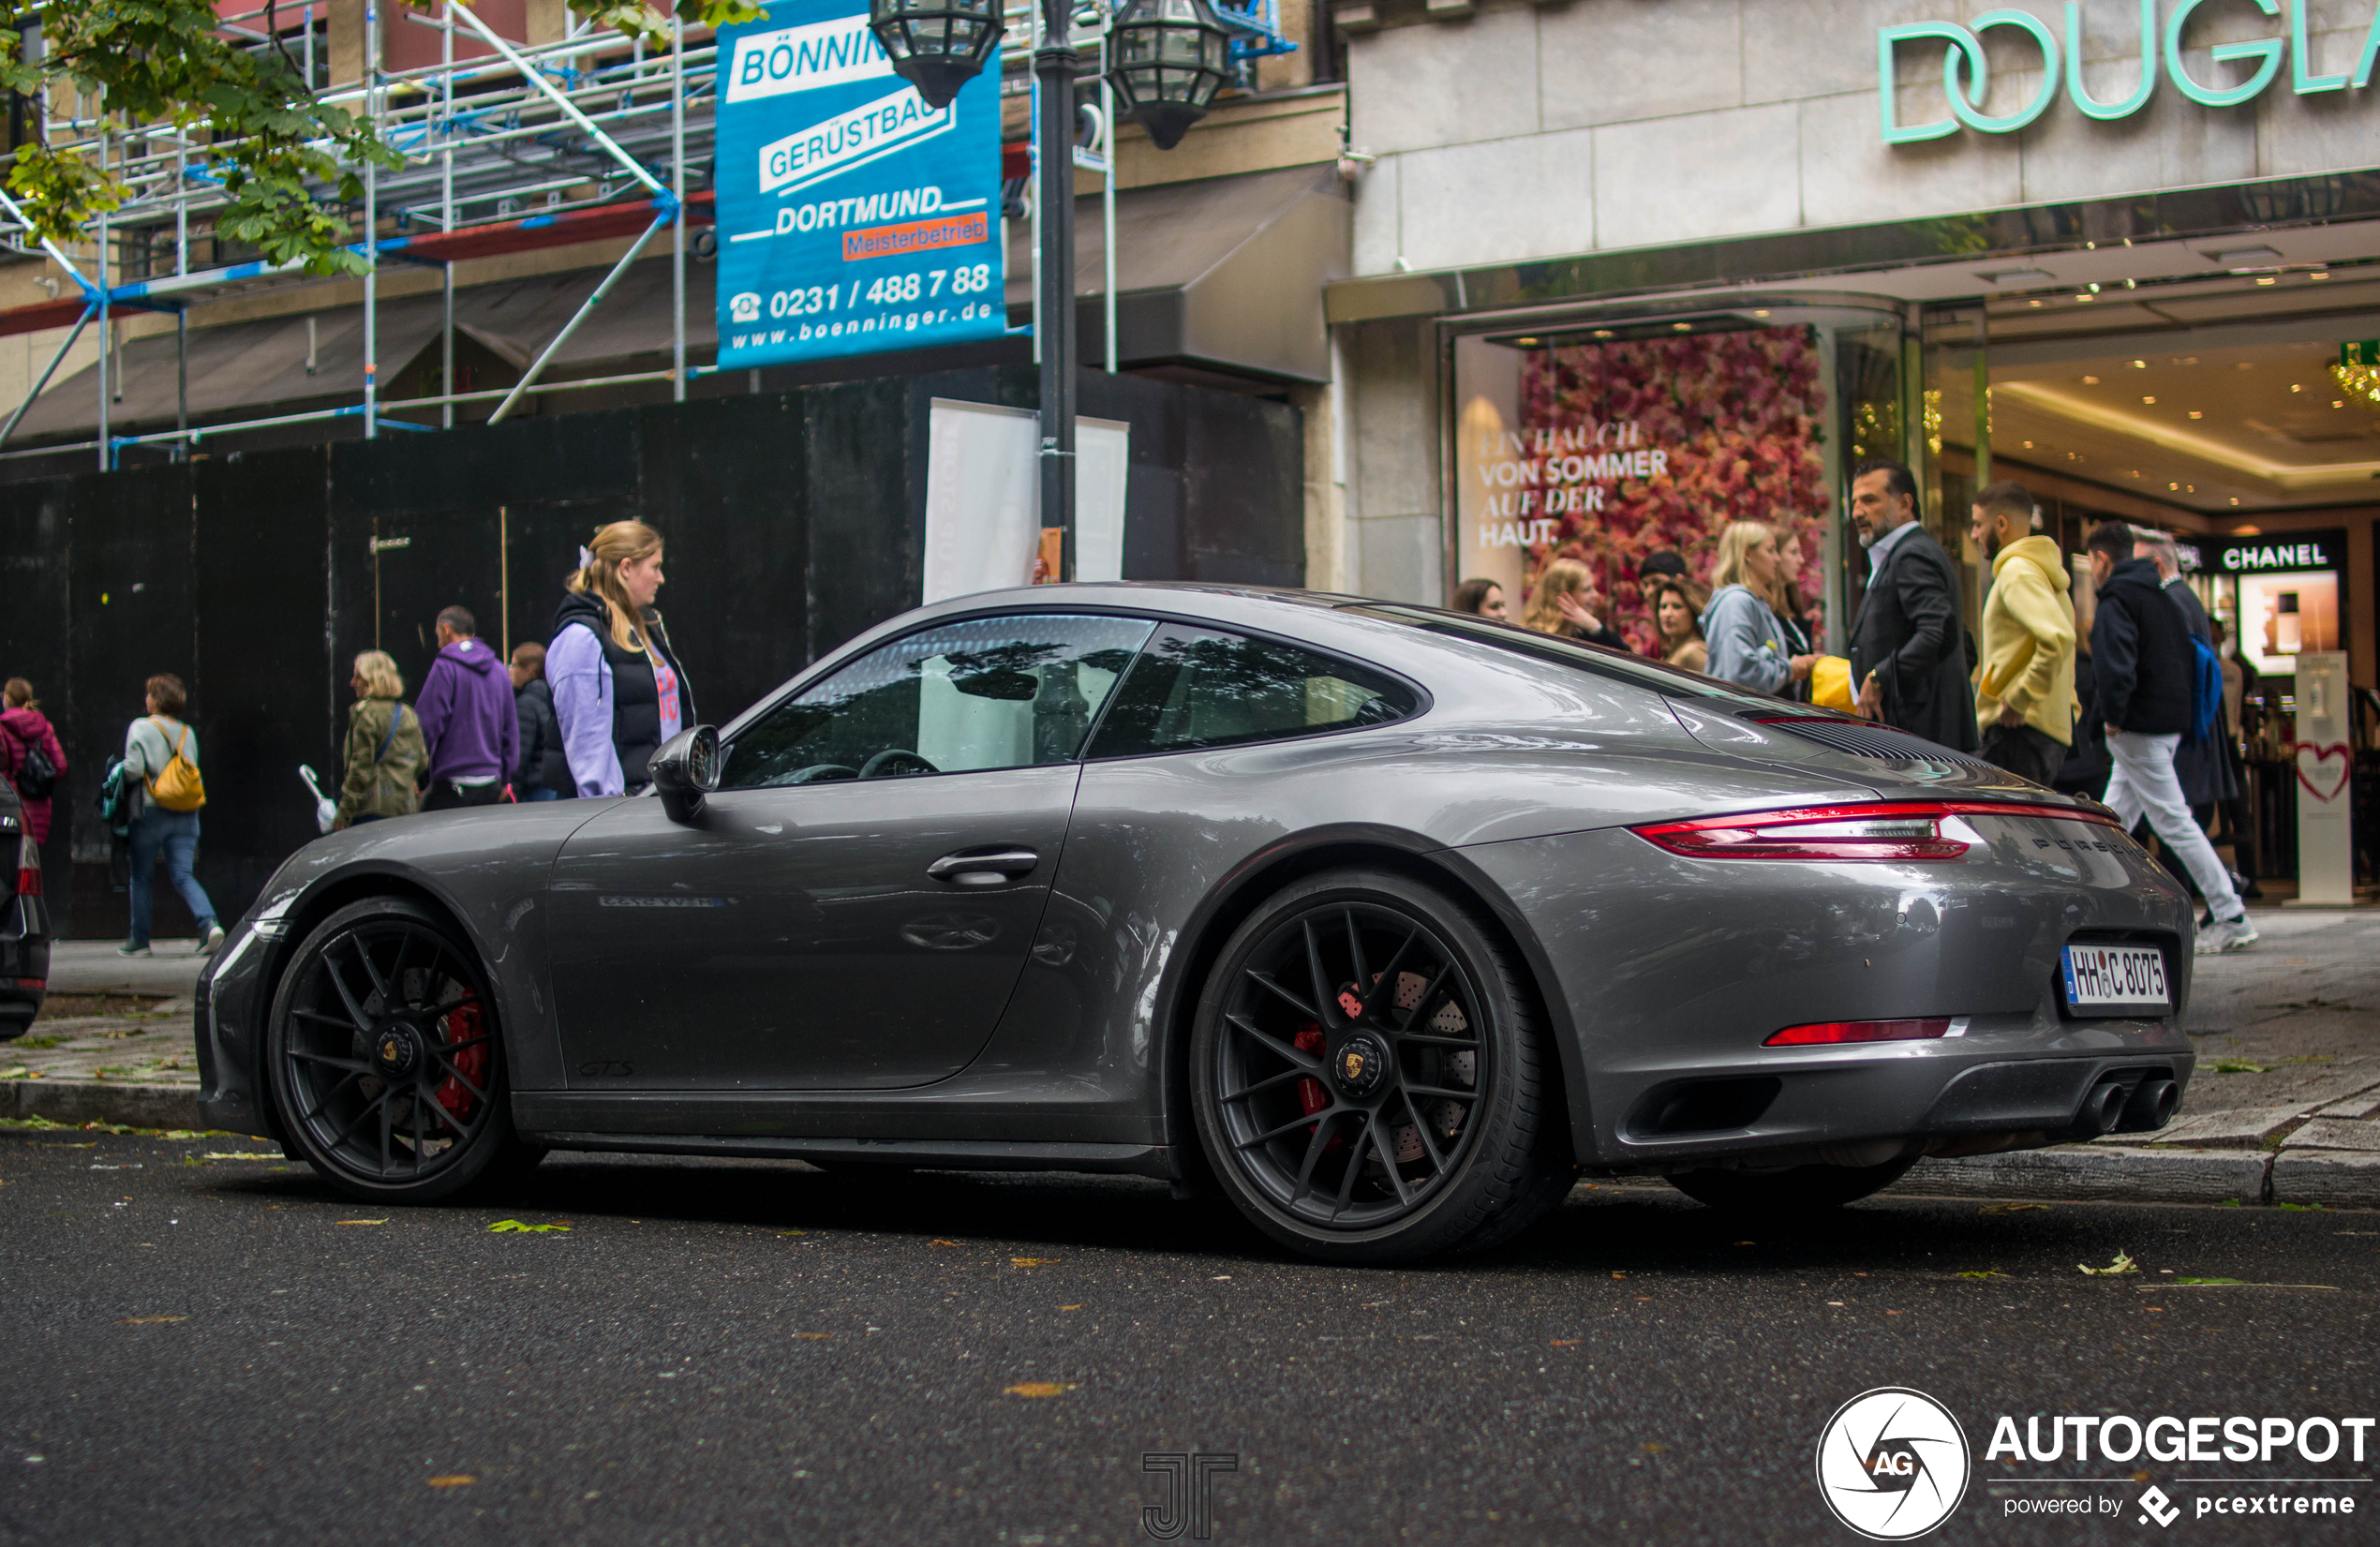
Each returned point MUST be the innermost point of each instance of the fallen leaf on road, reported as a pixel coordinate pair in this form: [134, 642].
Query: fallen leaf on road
[1030, 1261]
[150, 1321]
[2236, 1067]
[2009, 1208]
[1983, 1274]
[241, 1155]
[2123, 1264]
[942, 1243]
[505, 1227]
[1619, 1275]
[363, 1222]
[814, 1336]
[1070, 1307]
[1566, 1341]
[783, 1232]
[1039, 1388]
[459, 1479]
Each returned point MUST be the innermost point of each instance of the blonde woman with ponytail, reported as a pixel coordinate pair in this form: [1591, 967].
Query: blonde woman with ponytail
[618, 692]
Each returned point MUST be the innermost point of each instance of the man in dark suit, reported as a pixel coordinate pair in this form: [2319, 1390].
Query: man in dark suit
[1908, 648]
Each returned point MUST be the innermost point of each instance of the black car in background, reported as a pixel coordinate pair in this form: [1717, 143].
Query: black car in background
[24, 927]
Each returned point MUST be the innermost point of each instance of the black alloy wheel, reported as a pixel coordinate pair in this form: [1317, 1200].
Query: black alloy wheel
[385, 1058]
[1366, 1074]
[1789, 1190]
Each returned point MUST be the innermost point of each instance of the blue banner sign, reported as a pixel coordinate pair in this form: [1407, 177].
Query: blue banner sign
[851, 216]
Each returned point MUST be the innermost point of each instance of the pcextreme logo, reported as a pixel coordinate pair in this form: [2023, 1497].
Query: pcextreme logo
[1891, 1463]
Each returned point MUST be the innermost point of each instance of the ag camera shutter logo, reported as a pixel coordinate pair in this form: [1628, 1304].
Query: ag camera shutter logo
[1893, 1464]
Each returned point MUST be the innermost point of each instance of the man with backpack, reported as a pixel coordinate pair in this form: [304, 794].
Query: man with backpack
[2145, 669]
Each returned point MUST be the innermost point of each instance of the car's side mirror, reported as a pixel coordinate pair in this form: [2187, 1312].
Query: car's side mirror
[686, 771]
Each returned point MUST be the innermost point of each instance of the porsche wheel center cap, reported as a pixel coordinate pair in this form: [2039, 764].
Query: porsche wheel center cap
[397, 1051]
[1360, 1064]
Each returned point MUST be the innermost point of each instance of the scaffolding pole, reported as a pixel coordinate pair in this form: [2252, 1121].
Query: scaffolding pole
[586, 309]
[90, 309]
[678, 220]
[371, 221]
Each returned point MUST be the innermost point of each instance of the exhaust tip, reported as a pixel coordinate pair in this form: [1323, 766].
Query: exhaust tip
[2151, 1106]
[2104, 1108]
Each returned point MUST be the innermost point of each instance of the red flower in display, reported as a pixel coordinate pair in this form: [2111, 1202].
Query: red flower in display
[1736, 416]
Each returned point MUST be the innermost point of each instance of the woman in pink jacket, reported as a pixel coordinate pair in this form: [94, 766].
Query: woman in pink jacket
[23, 728]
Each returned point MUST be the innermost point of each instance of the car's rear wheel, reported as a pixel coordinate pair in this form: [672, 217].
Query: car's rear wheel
[386, 1060]
[1794, 1189]
[1366, 1074]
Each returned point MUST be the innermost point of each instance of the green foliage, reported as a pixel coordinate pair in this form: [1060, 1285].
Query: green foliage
[288, 162]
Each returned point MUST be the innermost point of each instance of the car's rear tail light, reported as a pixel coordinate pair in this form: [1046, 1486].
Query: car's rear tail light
[1886, 829]
[28, 868]
[1821, 1033]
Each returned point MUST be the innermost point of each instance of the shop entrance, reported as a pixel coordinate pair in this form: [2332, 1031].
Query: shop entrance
[2221, 414]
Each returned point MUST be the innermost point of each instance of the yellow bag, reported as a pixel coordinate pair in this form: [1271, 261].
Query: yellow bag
[178, 787]
[1830, 683]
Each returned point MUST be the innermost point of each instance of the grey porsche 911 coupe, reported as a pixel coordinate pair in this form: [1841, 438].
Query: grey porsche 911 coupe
[1382, 921]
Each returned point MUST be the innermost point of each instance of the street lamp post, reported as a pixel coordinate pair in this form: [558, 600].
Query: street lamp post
[1169, 57]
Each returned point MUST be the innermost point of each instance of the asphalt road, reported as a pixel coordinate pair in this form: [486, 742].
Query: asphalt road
[217, 1350]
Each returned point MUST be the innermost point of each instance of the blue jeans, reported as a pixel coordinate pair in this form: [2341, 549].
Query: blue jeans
[176, 834]
[544, 793]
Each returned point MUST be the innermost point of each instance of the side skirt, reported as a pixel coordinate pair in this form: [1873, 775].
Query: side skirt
[1150, 1160]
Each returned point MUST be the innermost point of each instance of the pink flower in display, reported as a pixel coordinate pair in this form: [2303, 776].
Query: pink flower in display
[1736, 416]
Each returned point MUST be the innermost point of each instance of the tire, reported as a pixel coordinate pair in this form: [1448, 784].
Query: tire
[1795, 1189]
[1416, 1125]
[398, 1094]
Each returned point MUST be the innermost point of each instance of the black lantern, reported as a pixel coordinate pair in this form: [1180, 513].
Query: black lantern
[1167, 59]
[937, 46]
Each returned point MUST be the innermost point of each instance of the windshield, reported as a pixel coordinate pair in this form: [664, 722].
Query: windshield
[1674, 681]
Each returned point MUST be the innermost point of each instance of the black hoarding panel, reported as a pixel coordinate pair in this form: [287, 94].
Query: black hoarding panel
[727, 485]
[866, 518]
[273, 698]
[35, 641]
[132, 599]
[1244, 518]
[521, 461]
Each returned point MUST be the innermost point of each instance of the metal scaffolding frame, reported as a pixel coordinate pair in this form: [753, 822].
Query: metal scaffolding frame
[525, 146]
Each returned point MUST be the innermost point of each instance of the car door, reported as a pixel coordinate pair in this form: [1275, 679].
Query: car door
[852, 905]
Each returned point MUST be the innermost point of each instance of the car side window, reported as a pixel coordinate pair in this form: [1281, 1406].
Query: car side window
[1203, 687]
[986, 692]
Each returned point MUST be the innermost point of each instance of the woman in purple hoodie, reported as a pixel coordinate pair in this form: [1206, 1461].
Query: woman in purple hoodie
[23, 728]
[618, 692]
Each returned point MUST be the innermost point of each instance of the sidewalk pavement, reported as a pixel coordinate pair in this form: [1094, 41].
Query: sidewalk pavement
[2284, 1108]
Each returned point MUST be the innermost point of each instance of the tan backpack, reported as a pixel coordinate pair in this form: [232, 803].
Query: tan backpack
[178, 786]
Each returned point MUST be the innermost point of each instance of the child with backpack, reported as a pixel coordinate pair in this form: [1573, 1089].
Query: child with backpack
[160, 771]
[30, 756]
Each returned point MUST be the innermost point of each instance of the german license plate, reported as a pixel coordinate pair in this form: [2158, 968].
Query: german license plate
[2108, 978]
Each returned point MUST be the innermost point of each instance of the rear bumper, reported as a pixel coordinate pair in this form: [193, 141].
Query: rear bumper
[1665, 975]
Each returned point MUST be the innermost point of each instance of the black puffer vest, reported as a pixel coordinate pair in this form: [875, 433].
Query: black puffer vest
[636, 705]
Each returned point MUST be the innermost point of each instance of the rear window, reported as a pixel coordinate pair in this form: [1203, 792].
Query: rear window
[1618, 666]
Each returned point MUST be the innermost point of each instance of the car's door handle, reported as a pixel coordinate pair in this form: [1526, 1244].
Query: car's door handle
[984, 867]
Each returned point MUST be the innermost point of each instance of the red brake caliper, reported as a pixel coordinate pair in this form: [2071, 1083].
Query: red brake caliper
[466, 1022]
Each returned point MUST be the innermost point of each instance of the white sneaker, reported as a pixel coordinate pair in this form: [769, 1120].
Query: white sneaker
[213, 943]
[2226, 935]
[128, 948]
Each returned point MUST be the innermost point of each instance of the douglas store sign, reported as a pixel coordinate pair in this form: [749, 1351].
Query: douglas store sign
[1967, 78]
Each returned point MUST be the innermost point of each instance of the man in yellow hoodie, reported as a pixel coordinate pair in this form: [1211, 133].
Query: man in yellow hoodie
[2025, 688]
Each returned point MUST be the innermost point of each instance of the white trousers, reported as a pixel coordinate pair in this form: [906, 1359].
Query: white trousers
[2144, 784]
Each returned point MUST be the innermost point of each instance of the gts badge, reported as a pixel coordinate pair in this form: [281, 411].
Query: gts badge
[607, 1068]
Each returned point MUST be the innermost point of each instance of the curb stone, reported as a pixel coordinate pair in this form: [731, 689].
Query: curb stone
[2103, 1172]
[2336, 1179]
[120, 1101]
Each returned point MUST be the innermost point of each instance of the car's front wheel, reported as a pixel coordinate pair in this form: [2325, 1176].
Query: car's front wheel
[1794, 1189]
[1367, 1074]
[386, 1060]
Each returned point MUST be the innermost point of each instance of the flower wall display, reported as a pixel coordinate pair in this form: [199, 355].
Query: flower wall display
[1651, 444]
